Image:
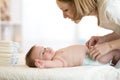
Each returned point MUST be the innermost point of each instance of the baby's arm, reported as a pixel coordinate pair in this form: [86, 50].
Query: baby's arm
[48, 64]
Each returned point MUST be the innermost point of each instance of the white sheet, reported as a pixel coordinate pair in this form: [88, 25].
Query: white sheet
[73, 73]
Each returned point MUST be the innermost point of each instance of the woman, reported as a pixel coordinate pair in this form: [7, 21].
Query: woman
[108, 15]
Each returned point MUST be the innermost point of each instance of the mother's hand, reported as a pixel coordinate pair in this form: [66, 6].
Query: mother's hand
[99, 50]
[93, 41]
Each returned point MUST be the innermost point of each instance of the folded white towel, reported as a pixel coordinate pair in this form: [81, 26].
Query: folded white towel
[8, 59]
[7, 55]
[8, 48]
[8, 63]
[6, 42]
[8, 51]
[12, 60]
[9, 43]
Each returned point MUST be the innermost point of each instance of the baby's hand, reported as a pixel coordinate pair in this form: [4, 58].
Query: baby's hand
[39, 63]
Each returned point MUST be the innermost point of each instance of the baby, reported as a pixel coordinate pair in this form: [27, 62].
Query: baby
[75, 55]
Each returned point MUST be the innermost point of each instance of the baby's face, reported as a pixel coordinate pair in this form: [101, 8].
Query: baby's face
[39, 52]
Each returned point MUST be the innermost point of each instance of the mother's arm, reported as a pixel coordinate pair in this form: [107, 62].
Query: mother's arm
[110, 37]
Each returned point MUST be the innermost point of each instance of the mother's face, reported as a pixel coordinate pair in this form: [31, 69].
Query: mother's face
[67, 9]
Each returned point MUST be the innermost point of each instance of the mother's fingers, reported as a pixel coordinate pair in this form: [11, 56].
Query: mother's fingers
[94, 53]
[87, 44]
[98, 56]
[90, 43]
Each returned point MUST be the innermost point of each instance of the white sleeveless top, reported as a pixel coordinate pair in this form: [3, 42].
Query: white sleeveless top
[109, 14]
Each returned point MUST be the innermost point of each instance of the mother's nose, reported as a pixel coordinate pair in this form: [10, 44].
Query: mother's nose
[64, 15]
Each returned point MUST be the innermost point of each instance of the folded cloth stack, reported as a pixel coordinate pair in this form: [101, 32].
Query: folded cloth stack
[8, 52]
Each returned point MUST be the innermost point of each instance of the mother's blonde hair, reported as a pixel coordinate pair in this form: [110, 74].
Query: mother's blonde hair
[83, 7]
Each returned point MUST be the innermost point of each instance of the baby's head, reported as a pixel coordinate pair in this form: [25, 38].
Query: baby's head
[39, 53]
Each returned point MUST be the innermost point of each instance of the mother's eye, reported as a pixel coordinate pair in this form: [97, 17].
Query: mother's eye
[65, 10]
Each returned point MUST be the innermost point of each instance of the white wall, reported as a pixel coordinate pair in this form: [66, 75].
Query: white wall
[16, 11]
[88, 27]
[44, 24]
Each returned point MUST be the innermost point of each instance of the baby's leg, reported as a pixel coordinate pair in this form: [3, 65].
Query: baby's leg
[113, 55]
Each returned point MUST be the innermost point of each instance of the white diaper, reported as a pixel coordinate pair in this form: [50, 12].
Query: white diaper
[89, 62]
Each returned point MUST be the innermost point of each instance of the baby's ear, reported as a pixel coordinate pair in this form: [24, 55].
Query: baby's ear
[37, 60]
[37, 63]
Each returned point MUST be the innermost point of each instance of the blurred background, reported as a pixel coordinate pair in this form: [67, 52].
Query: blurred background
[31, 22]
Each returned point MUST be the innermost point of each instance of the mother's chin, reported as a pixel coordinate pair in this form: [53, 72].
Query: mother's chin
[75, 21]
